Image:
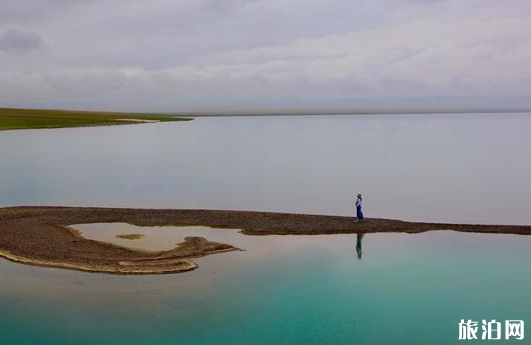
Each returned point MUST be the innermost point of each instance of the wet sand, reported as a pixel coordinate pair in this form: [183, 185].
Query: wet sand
[42, 236]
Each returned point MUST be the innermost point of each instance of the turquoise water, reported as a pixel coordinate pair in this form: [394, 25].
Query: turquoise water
[406, 289]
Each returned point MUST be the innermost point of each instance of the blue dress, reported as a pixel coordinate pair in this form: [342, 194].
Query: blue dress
[359, 214]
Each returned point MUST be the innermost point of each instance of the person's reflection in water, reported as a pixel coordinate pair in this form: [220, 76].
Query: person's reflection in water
[358, 244]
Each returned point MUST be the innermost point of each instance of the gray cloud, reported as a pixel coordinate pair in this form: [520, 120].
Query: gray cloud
[180, 55]
[222, 6]
[33, 10]
[18, 41]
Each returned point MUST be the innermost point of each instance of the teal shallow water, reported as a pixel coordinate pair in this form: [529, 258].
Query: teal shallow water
[406, 289]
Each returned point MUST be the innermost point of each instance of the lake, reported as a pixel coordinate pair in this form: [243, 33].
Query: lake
[405, 289]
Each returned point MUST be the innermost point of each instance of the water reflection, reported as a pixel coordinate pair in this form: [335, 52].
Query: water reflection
[408, 273]
[359, 237]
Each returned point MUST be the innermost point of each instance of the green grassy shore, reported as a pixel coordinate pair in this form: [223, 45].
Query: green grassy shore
[11, 118]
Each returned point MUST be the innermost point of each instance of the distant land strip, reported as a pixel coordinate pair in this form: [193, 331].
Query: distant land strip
[353, 113]
[12, 119]
[42, 236]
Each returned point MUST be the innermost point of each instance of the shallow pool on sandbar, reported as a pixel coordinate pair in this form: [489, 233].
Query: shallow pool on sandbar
[156, 238]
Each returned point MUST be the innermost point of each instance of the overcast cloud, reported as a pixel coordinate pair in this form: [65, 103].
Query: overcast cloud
[265, 55]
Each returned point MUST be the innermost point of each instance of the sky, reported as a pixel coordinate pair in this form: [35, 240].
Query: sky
[223, 56]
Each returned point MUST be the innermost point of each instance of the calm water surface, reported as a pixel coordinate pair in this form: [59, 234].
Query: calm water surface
[405, 289]
[156, 238]
[472, 168]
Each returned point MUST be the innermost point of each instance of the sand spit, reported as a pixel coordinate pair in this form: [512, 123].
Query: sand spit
[138, 120]
[41, 235]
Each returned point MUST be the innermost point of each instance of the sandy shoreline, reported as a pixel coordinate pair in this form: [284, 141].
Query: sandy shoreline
[41, 235]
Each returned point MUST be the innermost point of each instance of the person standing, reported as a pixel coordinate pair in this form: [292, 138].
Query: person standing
[359, 213]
